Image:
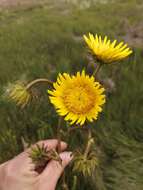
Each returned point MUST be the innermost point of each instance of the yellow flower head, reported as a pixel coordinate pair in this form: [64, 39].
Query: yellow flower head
[78, 97]
[19, 94]
[106, 51]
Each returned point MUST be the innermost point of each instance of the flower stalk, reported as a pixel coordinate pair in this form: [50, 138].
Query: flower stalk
[74, 183]
[36, 81]
[64, 184]
[97, 69]
[59, 134]
[90, 142]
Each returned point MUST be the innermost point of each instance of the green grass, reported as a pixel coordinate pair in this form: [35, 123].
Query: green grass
[41, 42]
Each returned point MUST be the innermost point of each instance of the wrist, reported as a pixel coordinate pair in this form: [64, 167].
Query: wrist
[2, 175]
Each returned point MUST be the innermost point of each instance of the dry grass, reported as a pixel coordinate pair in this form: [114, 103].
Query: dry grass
[13, 3]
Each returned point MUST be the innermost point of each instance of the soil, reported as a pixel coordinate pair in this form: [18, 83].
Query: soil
[133, 34]
[13, 3]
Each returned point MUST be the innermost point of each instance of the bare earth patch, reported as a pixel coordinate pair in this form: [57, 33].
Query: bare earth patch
[133, 33]
[13, 3]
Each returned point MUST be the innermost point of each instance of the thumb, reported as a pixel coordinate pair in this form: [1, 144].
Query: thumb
[53, 171]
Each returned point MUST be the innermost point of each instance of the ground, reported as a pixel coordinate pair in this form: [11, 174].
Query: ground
[7, 3]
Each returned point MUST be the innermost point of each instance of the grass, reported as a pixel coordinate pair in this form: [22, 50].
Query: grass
[43, 41]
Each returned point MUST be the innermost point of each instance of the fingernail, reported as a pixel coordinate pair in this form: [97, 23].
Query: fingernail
[66, 156]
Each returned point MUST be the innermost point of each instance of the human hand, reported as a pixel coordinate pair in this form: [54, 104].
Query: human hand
[19, 173]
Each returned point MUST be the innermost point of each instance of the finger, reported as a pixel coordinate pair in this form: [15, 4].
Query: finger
[53, 171]
[51, 144]
[26, 160]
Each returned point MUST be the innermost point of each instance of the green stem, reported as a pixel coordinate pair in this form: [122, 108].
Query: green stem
[59, 134]
[74, 183]
[36, 81]
[90, 141]
[97, 69]
[64, 184]
[24, 143]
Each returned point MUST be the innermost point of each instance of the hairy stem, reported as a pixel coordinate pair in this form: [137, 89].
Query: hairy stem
[59, 134]
[64, 184]
[36, 81]
[90, 141]
[97, 69]
[74, 183]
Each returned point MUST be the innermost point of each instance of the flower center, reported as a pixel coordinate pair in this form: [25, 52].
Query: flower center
[79, 99]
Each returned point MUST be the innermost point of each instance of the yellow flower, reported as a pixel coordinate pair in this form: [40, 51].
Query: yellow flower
[78, 97]
[19, 94]
[106, 51]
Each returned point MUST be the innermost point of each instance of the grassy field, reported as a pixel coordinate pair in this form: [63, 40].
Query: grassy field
[43, 40]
